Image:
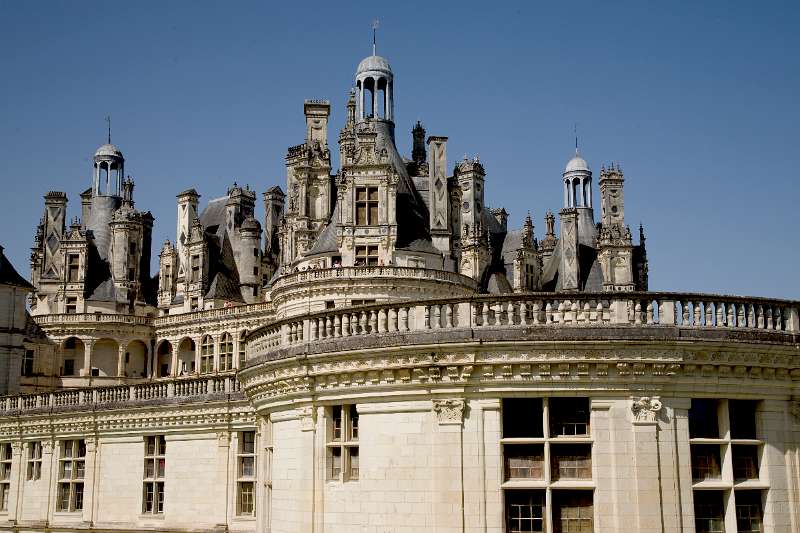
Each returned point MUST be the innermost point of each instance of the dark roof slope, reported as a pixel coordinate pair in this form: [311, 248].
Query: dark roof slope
[9, 275]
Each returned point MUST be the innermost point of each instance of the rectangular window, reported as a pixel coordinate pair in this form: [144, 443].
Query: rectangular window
[131, 274]
[748, 511]
[573, 512]
[523, 418]
[705, 462]
[524, 461]
[242, 350]
[155, 463]
[743, 419]
[342, 443]
[569, 417]
[246, 474]
[709, 516]
[71, 472]
[194, 304]
[27, 363]
[73, 268]
[207, 355]
[69, 367]
[71, 305]
[132, 247]
[703, 422]
[525, 511]
[745, 462]
[34, 468]
[195, 272]
[367, 255]
[530, 277]
[6, 453]
[571, 461]
[366, 206]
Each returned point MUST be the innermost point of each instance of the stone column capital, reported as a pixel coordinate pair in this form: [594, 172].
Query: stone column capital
[449, 411]
[645, 409]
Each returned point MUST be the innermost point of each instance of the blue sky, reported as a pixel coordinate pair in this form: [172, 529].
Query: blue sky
[696, 100]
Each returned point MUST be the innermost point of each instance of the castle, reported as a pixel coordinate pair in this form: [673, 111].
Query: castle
[383, 353]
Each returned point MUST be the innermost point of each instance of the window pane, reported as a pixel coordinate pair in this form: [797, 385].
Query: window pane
[571, 461]
[705, 462]
[743, 419]
[745, 462]
[248, 441]
[703, 421]
[247, 468]
[708, 512]
[353, 423]
[748, 511]
[78, 497]
[573, 512]
[373, 214]
[335, 463]
[569, 416]
[525, 511]
[524, 461]
[522, 417]
[354, 469]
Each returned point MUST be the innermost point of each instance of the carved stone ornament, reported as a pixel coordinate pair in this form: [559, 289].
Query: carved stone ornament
[646, 408]
[449, 411]
[794, 410]
[308, 418]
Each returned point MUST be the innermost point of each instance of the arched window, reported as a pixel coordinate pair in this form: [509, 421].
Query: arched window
[226, 352]
[207, 354]
[242, 355]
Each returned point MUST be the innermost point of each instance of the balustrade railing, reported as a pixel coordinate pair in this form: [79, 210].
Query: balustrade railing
[82, 318]
[89, 398]
[371, 272]
[532, 310]
[236, 310]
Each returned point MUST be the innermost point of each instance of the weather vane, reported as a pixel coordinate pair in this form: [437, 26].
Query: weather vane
[108, 120]
[375, 25]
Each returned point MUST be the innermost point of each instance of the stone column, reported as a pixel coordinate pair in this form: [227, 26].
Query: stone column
[121, 358]
[197, 349]
[217, 346]
[50, 474]
[646, 412]
[173, 363]
[774, 429]
[91, 477]
[224, 465]
[15, 497]
[447, 460]
[87, 357]
[609, 465]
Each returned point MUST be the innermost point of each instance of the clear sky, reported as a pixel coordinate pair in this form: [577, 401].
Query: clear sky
[698, 102]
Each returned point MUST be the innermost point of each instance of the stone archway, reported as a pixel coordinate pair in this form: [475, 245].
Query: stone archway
[105, 356]
[73, 353]
[186, 361]
[136, 359]
[163, 367]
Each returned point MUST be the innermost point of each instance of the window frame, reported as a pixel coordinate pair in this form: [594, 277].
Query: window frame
[342, 461]
[207, 349]
[245, 454]
[367, 203]
[33, 467]
[71, 476]
[154, 479]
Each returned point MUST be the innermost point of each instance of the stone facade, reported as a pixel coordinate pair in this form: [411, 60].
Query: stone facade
[389, 358]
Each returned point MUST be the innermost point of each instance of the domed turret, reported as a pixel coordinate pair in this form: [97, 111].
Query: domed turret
[577, 183]
[375, 86]
[109, 168]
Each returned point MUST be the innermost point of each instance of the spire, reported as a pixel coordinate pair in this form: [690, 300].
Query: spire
[108, 120]
[575, 130]
[375, 24]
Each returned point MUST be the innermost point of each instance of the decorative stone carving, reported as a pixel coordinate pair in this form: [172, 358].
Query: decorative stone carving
[450, 411]
[308, 418]
[646, 408]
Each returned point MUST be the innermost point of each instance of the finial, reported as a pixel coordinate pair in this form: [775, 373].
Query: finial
[575, 130]
[375, 24]
[108, 120]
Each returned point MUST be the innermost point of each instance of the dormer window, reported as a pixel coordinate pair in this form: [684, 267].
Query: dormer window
[366, 255]
[73, 268]
[195, 276]
[366, 206]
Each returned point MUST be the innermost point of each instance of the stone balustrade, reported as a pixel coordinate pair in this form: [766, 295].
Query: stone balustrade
[198, 387]
[213, 314]
[372, 272]
[531, 310]
[84, 318]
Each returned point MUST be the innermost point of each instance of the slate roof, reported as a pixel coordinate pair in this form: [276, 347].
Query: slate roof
[9, 275]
